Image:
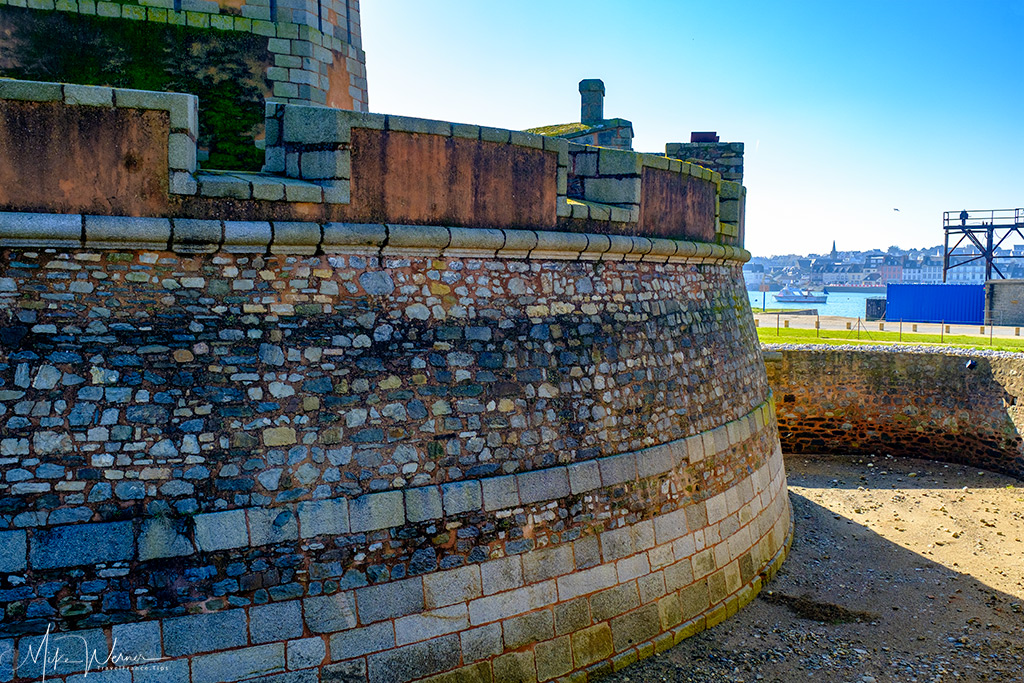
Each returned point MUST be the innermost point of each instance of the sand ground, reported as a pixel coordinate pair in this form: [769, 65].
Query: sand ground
[900, 570]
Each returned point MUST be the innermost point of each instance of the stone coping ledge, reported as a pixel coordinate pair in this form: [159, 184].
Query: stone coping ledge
[193, 236]
[87, 543]
[259, 186]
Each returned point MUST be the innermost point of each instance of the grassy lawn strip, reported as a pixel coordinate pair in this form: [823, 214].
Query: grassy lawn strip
[767, 335]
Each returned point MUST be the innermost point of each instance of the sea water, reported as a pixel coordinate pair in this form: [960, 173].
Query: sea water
[846, 304]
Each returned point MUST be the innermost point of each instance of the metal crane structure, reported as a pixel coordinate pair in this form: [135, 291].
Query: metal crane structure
[986, 230]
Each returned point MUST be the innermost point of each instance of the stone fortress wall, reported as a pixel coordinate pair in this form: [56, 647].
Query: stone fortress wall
[916, 404]
[234, 54]
[397, 408]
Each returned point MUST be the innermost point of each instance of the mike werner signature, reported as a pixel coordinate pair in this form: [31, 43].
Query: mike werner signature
[52, 656]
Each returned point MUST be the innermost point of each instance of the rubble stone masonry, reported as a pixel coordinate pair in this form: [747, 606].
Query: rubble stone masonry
[303, 450]
[917, 404]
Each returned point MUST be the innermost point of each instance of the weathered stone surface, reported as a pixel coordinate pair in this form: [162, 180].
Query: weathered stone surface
[317, 517]
[163, 537]
[431, 623]
[515, 667]
[275, 622]
[423, 503]
[141, 639]
[377, 511]
[330, 613]
[204, 632]
[635, 627]
[572, 615]
[170, 671]
[546, 484]
[306, 653]
[390, 600]
[481, 643]
[81, 544]
[272, 525]
[878, 401]
[413, 661]
[461, 496]
[614, 601]
[553, 658]
[451, 586]
[523, 630]
[13, 546]
[592, 645]
[237, 665]
[363, 640]
[221, 530]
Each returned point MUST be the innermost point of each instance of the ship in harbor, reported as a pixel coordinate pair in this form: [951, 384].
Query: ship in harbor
[796, 295]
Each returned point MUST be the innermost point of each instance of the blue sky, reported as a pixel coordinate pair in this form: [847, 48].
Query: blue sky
[849, 109]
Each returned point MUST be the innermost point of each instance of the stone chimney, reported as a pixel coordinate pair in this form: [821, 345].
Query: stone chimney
[592, 96]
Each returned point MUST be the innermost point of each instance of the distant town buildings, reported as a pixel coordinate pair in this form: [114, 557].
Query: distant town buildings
[875, 268]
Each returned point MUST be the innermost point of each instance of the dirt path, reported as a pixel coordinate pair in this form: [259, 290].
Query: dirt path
[916, 568]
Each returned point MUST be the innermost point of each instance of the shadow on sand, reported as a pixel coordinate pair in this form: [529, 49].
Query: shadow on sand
[859, 601]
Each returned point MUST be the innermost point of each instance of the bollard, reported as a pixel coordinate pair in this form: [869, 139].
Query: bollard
[1016, 332]
[982, 329]
[785, 323]
[757, 323]
[947, 329]
[915, 327]
[881, 327]
[848, 326]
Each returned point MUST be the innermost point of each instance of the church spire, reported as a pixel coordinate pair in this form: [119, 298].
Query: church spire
[835, 254]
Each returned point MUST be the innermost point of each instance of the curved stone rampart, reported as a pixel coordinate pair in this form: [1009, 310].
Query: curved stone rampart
[954, 406]
[420, 401]
[376, 463]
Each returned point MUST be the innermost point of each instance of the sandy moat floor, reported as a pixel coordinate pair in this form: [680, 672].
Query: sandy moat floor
[916, 568]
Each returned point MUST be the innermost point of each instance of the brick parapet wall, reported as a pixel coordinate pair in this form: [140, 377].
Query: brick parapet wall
[294, 444]
[309, 47]
[923, 405]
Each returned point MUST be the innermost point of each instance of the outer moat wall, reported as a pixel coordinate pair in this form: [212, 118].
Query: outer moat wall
[303, 450]
[917, 404]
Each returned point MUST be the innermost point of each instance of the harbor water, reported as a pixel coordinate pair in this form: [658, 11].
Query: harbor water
[846, 304]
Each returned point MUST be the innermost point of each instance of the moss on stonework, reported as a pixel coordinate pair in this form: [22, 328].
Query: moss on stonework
[226, 70]
[560, 129]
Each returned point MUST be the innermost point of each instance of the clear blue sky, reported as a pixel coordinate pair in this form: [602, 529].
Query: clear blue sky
[849, 109]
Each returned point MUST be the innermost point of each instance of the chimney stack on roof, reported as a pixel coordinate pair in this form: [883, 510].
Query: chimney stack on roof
[592, 97]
